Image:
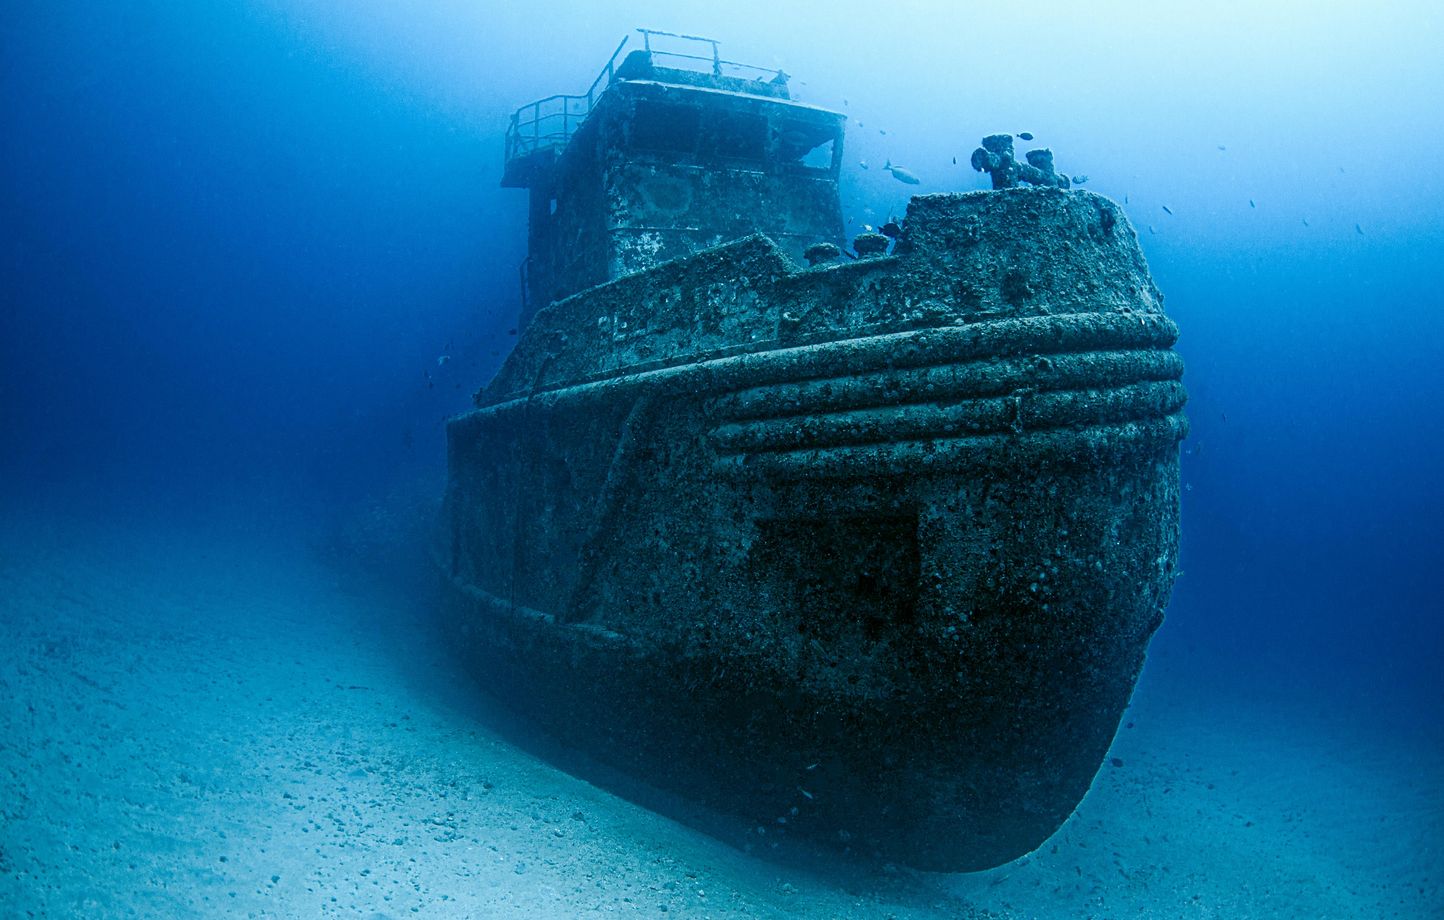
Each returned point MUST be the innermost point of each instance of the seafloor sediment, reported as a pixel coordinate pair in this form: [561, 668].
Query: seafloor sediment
[206, 721]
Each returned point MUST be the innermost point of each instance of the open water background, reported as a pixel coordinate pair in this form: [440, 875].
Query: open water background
[235, 239]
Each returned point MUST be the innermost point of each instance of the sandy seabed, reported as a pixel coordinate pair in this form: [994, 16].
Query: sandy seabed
[201, 721]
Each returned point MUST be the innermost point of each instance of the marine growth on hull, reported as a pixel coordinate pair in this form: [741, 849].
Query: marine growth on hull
[863, 541]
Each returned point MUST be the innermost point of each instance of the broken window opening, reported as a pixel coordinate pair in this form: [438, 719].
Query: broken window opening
[665, 127]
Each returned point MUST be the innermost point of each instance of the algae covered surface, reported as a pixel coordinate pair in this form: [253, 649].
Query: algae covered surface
[261, 286]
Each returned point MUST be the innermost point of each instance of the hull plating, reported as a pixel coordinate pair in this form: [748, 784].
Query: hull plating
[875, 550]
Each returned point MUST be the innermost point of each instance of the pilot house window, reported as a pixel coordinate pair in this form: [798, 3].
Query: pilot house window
[738, 136]
[663, 126]
[807, 144]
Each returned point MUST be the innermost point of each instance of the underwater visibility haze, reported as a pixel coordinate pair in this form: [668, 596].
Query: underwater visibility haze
[257, 254]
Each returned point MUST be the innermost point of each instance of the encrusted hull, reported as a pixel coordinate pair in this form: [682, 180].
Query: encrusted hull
[869, 554]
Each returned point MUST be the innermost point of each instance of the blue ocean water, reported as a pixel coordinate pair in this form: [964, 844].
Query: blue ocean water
[254, 254]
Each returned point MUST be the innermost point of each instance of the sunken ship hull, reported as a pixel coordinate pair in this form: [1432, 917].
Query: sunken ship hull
[868, 553]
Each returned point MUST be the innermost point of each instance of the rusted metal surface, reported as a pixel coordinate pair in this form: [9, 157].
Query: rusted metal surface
[868, 552]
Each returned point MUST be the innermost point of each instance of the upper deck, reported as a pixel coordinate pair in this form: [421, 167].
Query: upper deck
[540, 130]
[668, 153]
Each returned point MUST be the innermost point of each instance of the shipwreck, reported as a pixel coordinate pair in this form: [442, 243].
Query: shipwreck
[867, 549]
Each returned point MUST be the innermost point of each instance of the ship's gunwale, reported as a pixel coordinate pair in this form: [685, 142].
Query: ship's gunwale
[772, 361]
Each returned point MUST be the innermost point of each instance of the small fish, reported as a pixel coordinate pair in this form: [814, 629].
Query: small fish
[882, 130]
[861, 125]
[1167, 209]
[1079, 180]
[955, 161]
[1151, 230]
[1306, 221]
[442, 360]
[1251, 204]
[1125, 199]
[1222, 147]
[862, 163]
[902, 174]
[892, 229]
[1358, 229]
[511, 331]
[1024, 135]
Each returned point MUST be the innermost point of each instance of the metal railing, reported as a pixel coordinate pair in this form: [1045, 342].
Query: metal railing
[717, 65]
[550, 122]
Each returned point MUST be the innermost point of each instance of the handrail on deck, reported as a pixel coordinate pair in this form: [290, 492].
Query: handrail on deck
[526, 133]
[551, 121]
